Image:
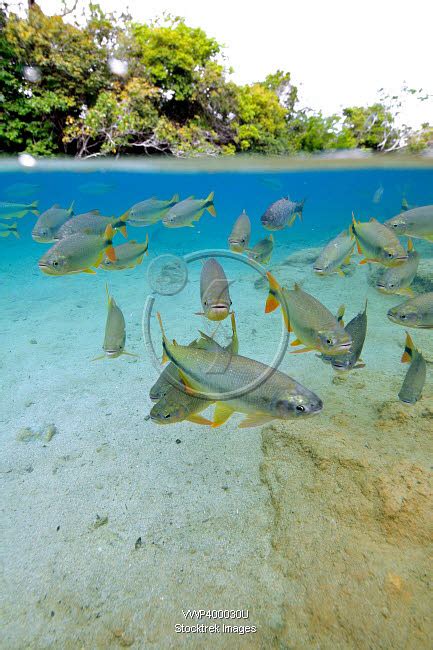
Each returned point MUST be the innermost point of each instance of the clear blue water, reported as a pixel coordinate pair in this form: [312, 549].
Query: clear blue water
[199, 500]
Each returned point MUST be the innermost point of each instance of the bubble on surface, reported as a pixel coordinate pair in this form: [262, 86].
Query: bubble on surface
[26, 160]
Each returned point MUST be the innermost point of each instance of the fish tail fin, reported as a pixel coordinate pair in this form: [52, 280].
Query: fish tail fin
[71, 208]
[124, 231]
[301, 209]
[408, 349]
[272, 301]
[165, 341]
[33, 208]
[108, 243]
[209, 204]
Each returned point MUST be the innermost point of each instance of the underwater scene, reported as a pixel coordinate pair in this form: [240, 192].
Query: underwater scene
[217, 405]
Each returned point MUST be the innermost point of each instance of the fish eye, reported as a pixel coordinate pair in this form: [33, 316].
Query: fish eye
[389, 254]
[329, 341]
[55, 263]
[403, 316]
[167, 415]
[300, 408]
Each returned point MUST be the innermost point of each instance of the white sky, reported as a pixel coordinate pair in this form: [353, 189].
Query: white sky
[340, 52]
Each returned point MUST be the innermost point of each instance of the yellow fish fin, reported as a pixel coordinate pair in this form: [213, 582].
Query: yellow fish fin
[340, 273]
[346, 261]
[292, 221]
[98, 358]
[221, 414]
[340, 314]
[199, 419]
[368, 260]
[296, 342]
[406, 292]
[124, 231]
[302, 350]
[409, 245]
[89, 271]
[358, 247]
[255, 420]
[210, 206]
[165, 341]
[408, 349]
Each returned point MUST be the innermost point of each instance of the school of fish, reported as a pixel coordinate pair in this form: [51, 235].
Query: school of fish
[205, 373]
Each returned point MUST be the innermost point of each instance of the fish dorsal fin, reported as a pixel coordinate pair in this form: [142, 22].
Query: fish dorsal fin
[95, 211]
[56, 206]
[373, 220]
[189, 197]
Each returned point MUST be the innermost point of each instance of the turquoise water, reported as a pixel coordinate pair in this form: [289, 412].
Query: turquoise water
[197, 499]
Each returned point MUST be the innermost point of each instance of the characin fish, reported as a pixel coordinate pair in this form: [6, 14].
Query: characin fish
[397, 279]
[78, 253]
[335, 254]
[49, 222]
[17, 210]
[91, 223]
[96, 189]
[414, 381]
[170, 378]
[9, 229]
[313, 324]
[357, 328]
[415, 312]
[416, 223]
[214, 291]
[378, 243]
[282, 213]
[262, 251]
[21, 189]
[115, 332]
[175, 405]
[276, 395]
[239, 238]
[186, 212]
[150, 211]
[128, 256]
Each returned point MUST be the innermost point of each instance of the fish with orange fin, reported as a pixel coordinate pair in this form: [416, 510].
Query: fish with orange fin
[128, 256]
[219, 375]
[377, 243]
[91, 223]
[184, 213]
[78, 253]
[414, 380]
[313, 324]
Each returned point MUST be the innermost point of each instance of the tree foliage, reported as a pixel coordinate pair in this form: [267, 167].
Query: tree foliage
[113, 86]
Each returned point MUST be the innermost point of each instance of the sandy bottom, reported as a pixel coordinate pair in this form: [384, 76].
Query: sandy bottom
[320, 528]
